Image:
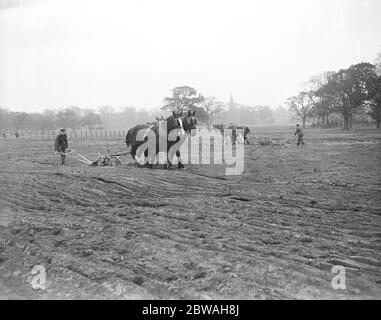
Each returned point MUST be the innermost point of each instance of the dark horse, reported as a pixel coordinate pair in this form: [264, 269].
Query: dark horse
[175, 121]
[189, 122]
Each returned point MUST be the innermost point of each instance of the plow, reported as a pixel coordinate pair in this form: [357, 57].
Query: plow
[101, 160]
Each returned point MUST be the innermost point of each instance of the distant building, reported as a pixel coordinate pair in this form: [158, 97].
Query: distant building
[232, 105]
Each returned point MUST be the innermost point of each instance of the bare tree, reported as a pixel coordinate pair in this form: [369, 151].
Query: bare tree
[323, 104]
[91, 119]
[302, 105]
[212, 109]
[69, 118]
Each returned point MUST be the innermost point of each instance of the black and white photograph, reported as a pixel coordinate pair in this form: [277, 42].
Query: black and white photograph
[204, 150]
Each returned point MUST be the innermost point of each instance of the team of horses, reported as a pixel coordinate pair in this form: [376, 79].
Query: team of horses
[182, 124]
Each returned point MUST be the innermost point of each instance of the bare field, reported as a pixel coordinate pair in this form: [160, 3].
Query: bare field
[274, 232]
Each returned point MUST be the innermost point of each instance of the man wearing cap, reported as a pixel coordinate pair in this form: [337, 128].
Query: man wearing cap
[61, 144]
[299, 132]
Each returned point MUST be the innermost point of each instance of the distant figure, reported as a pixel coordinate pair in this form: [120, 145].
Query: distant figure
[61, 144]
[4, 135]
[246, 131]
[235, 134]
[299, 132]
[17, 135]
[219, 127]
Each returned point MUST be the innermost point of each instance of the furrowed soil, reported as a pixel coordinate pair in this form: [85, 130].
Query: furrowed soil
[130, 232]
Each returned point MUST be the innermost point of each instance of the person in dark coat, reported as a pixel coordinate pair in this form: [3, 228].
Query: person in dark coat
[299, 132]
[61, 144]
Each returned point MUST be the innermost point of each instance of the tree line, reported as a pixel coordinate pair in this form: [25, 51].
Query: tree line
[210, 110]
[182, 99]
[349, 93]
[72, 117]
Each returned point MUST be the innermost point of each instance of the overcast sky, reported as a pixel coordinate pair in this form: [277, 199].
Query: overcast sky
[131, 53]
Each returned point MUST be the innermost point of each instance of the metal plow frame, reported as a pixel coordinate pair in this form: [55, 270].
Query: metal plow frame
[107, 160]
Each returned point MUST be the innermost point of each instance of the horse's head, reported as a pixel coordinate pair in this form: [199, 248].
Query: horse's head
[175, 121]
[190, 121]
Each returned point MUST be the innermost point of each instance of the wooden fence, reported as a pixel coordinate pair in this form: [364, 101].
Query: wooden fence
[71, 134]
[103, 134]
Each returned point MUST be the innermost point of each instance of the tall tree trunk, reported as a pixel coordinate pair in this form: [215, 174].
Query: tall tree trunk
[350, 121]
[304, 123]
[378, 123]
[323, 121]
[208, 123]
[346, 121]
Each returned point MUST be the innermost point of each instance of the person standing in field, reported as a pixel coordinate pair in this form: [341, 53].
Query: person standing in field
[61, 144]
[299, 132]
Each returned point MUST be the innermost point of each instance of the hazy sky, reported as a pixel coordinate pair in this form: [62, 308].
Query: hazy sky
[131, 53]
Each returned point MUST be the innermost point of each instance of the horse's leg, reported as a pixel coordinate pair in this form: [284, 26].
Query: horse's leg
[168, 163]
[146, 159]
[180, 164]
[146, 162]
[133, 152]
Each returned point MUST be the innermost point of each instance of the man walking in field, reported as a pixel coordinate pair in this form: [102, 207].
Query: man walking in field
[61, 145]
[299, 132]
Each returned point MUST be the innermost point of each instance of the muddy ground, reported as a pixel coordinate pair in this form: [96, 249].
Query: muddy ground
[274, 232]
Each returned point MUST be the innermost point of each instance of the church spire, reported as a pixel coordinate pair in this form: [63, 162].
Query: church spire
[231, 103]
